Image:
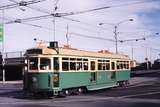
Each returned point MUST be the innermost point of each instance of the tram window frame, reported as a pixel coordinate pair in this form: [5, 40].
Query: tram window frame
[85, 59]
[85, 66]
[65, 66]
[122, 65]
[79, 66]
[93, 65]
[79, 59]
[103, 65]
[99, 66]
[113, 65]
[127, 66]
[65, 59]
[56, 63]
[35, 63]
[72, 65]
[107, 66]
[45, 63]
[75, 64]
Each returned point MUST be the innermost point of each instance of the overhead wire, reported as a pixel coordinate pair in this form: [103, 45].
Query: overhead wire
[17, 4]
[71, 13]
[87, 11]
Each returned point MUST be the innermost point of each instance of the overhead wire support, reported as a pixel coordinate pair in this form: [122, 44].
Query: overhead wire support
[53, 14]
[121, 41]
[21, 3]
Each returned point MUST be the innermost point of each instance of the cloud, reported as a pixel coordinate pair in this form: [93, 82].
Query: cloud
[88, 25]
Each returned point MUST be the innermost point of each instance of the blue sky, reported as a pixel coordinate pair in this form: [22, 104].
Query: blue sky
[146, 22]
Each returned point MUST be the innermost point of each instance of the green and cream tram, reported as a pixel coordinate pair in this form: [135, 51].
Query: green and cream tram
[55, 71]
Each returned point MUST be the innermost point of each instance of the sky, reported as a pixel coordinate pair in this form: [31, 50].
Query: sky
[145, 15]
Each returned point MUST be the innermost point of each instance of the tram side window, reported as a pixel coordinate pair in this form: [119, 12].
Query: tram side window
[56, 63]
[72, 65]
[45, 64]
[113, 65]
[107, 66]
[79, 65]
[85, 65]
[103, 65]
[33, 63]
[99, 66]
[93, 66]
[122, 65]
[118, 65]
[65, 66]
[127, 65]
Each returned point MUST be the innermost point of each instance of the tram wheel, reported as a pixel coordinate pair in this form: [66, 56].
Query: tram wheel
[67, 92]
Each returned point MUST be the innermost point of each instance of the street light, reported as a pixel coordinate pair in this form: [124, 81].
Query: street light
[115, 30]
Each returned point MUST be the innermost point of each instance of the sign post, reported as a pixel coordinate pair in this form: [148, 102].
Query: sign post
[1, 40]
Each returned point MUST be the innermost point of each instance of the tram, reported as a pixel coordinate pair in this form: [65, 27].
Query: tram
[57, 70]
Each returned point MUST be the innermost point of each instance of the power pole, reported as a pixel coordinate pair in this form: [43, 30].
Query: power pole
[67, 36]
[116, 39]
[3, 61]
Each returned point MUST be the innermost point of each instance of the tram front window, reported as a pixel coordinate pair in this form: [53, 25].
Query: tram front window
[45, 64]
[33, 63]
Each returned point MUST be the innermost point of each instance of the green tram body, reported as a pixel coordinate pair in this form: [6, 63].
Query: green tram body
[53, 72]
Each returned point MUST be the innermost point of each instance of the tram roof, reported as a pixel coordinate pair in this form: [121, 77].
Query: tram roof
[82, 53]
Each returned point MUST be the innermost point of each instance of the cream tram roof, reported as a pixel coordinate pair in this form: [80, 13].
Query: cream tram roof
[82, 53]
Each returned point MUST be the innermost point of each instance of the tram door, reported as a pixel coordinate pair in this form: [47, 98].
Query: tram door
[113, 72]
[93, 71]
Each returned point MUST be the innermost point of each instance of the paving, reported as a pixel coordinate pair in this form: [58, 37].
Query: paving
[143, 91]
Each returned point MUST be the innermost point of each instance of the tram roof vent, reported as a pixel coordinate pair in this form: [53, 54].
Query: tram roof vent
[53, 44]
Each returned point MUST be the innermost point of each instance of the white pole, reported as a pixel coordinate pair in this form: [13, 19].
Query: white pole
[3, 61]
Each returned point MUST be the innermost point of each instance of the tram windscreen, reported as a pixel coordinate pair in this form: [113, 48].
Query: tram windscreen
[45, 64]
[33, 63]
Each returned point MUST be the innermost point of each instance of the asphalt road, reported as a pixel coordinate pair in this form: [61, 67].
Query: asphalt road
[143, 91]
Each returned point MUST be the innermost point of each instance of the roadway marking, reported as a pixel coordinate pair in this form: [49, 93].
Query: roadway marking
[136, 95]
[73, 99]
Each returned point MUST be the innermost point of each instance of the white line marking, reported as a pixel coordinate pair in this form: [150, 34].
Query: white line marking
[136, 95]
